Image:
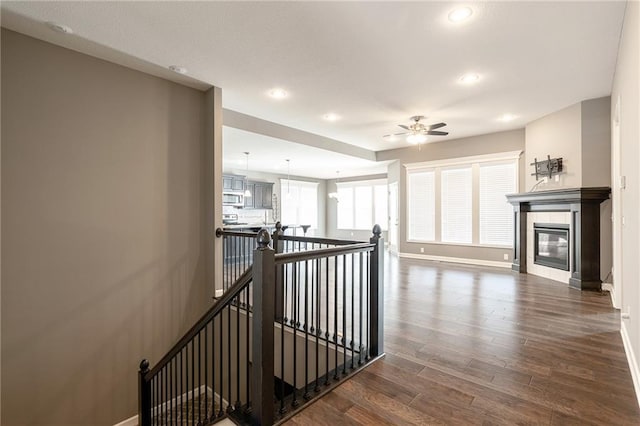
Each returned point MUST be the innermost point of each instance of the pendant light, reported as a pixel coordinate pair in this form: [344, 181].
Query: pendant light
[335, 193]
[288, 178]
[247, 193]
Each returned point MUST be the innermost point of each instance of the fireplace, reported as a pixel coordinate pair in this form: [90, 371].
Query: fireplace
[583, 242]
[551, 245]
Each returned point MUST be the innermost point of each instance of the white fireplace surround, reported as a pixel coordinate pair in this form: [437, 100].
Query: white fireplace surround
[563, 218]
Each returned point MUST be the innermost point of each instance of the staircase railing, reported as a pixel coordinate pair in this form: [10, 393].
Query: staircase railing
[306, 315]
[197, 380]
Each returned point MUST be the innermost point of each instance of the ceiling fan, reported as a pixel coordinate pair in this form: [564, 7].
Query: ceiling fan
[418, 132]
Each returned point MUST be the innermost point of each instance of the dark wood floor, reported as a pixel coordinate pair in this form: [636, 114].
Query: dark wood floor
[471, 345]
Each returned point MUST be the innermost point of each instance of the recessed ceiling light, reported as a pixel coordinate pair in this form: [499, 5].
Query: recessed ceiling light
[178, 69]
[59, 28]
[469, 78]
[505, 118]
[460, 14]
[278, 93]
[331, 117]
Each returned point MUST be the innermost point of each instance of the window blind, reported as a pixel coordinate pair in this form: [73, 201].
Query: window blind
[496, 214]
[456, 204]
[421, 206]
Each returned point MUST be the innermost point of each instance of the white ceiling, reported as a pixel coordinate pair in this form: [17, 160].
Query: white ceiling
[373, 63]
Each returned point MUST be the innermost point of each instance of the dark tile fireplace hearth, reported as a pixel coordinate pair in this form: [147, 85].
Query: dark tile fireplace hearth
[584, 240]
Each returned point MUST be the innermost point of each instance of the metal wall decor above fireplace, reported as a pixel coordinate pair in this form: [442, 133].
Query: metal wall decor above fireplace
[551, 245]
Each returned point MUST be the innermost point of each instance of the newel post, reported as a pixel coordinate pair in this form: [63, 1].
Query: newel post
[262, 382]
[376, 299]
[278, 246]
[144, 395]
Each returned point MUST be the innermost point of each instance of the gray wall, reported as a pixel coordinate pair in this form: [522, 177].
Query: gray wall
[581, 135]
[626, 88]
[103, 243]
[485, 144]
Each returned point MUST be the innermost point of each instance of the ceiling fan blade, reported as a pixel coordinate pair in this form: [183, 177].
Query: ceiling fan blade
[437, 133]
[395, 134]
[404, 127]
[436, 126]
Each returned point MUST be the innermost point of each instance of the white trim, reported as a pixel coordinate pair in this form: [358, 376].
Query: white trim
[631, 359]
[498, 156]
[609, 287]
[478, 262]
[219, 293]
[131, 421]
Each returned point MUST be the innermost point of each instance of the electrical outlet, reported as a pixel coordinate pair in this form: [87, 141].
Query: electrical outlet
[421, 249]
[506, 256]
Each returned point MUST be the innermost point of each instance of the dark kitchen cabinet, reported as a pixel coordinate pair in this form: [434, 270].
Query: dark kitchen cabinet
[233, 183]
[261, 195]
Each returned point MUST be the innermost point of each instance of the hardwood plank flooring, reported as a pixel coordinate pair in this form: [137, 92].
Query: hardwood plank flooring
[474, 345]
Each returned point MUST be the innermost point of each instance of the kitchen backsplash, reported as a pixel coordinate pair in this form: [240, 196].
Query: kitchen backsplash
[250, 215]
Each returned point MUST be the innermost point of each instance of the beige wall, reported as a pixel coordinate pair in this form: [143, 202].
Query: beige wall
[581, 135]
[103, 241]
[478, 145]
[626, 88]
[558, 135]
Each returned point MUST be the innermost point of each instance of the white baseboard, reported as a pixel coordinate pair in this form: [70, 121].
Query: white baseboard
[219, 293]
[478, 262]
[609, 287]
[133, 421]
[631, 359]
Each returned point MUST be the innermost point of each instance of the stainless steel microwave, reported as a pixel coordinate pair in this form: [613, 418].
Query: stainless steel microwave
[235, 199]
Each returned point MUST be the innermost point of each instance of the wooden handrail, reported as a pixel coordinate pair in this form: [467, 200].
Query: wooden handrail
[217, 307]
[319, 240]
[296, 256]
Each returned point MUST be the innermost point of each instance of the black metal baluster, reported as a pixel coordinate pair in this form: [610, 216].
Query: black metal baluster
[174, 411]
[336, 374]
[206, 374]
[360, 312]
[167, 393]
[326, 325]
[368, 305]
[344, 313]
[294, 295]
[353, 271]
[181, 391]
[237, 358]
[221, 412]
[193, 382]
[229, 406]
[247, 336]
[306, 329]
[316, 269]
[199, 379]
[283, 320]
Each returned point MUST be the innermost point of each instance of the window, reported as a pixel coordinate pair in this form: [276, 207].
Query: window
[456, 204]
[421, 206]
[362, 204]
[299, 203]
[496, 214]
[462, 201]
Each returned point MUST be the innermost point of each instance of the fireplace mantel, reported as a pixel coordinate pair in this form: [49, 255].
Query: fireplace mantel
[584, 205]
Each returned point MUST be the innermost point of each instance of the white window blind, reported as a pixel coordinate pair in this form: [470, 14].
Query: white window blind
[299, 203]
[421, 206]
[380, 205]
[456, 204]
[361, 204]
[496, 214]
[345, 207]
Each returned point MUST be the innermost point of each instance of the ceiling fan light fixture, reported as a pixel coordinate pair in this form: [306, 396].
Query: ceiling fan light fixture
[416, 138]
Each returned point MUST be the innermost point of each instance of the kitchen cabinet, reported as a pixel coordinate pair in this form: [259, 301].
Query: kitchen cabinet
[261, 195]
[233, 183]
